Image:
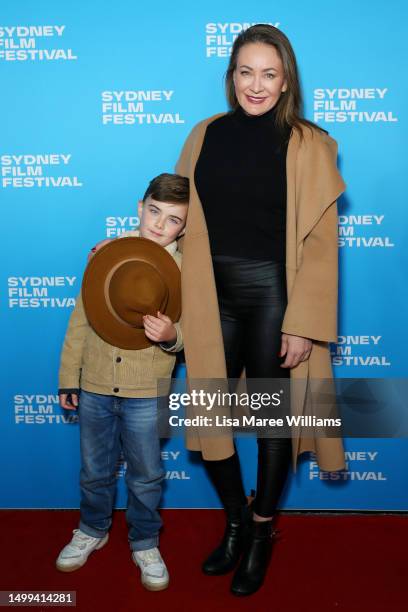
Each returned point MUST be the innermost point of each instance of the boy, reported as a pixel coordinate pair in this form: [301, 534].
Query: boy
[118, 400]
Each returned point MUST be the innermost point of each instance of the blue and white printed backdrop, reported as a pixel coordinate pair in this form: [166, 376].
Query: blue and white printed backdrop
[97, 98]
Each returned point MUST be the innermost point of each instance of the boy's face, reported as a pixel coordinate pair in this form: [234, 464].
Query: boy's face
[161, 222]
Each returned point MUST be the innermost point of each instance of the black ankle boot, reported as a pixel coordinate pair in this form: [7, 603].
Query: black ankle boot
[251, 571]
[225, 557]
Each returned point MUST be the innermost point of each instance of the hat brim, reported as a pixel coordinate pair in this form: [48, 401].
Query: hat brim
[105, 324]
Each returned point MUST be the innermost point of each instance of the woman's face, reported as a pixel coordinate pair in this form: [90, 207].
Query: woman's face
[258, 78]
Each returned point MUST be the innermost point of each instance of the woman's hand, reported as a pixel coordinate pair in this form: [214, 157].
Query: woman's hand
[296, 349]
[160, 328]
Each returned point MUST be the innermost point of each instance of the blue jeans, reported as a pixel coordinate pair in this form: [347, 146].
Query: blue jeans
[107, 425]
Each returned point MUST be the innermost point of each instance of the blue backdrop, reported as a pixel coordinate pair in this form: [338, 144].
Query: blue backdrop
[97, 98]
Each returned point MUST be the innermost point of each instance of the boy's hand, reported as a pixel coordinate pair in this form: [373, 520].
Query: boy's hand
[97, 246]
[160, 328]
[64, 403]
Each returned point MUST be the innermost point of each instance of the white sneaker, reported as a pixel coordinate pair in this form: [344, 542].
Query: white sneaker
[155, 576]
[75, 554]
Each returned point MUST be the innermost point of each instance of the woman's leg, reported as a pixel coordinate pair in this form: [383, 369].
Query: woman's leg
[263, 341]
[262, 345]
[225, 474]
[274, 455]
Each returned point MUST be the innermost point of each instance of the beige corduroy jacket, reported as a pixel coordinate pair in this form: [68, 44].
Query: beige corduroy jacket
[90, 363]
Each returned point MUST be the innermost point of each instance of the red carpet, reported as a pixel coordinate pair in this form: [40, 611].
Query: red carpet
[320, 563]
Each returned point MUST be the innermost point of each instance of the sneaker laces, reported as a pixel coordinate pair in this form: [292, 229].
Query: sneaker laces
[79, 541]
[151, 556]
[152, 562]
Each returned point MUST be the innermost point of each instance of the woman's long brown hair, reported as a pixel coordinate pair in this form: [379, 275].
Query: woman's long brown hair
[289, 106]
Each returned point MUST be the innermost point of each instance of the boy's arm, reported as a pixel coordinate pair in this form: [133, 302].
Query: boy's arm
[97, 246]
[159, 329]
[71, 356]
[177, 345]
[102, 243]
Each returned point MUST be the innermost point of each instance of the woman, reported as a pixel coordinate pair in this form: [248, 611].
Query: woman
[259, 277]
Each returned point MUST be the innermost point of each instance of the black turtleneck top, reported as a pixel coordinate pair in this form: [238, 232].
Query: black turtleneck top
[240, 177]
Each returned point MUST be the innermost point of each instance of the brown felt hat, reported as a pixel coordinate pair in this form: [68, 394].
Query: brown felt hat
[126, 279]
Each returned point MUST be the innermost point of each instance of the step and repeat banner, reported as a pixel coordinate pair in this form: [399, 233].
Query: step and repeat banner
[98, 98]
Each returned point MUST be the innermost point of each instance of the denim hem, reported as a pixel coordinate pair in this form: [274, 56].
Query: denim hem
[95, 533]
[136, 545]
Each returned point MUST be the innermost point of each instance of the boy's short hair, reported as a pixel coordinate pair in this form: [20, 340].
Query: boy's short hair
[169, 188]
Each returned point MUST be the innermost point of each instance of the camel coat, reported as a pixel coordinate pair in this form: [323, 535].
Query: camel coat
[313, 186]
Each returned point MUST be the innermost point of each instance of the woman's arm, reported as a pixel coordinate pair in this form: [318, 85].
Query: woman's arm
[311, 313]
[312, 305]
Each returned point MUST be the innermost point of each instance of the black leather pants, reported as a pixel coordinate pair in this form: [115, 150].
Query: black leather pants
[252, 301]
